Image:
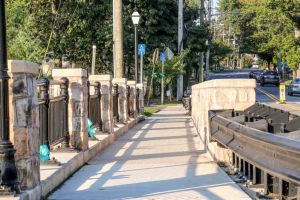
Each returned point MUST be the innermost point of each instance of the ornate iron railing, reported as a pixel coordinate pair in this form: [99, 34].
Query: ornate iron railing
[138, 101]
[115, 94]
[54, 113]
[94, 105]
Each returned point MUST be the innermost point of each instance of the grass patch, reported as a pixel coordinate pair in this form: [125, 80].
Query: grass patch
[157, 101]
[148, 111]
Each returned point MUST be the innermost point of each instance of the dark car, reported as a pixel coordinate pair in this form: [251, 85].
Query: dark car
[258, 76]
[270, 77]
[294, 87]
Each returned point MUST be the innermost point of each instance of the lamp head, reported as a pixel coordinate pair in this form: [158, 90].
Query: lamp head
[135, 17]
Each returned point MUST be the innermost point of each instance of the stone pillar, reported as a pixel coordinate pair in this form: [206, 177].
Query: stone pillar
[122, 82]
[78, 105]
[24, 121]
[141, 97]
[106, 101]
[132, 99]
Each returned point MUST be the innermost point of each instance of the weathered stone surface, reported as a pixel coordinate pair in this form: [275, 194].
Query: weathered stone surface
[123, 114]
[219, 94]
[28, 172]
[24, 121]
[78, 105]
[141, 97]
[106, 101]
[132, 98]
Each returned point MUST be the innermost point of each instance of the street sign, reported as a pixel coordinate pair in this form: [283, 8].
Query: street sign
[169, 53]
[142, 49]
[282, 93]
[155, 56]
[162, 56]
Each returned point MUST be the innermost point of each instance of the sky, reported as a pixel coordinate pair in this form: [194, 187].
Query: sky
[215, 4]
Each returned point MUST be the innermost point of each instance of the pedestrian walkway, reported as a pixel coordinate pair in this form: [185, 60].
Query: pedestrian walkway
[161, 158]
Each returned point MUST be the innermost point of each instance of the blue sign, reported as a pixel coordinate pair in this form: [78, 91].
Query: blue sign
[142, 49]
[163, 56]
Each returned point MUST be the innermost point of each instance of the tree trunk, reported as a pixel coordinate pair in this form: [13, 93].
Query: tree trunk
[269, 65]
[295, 73]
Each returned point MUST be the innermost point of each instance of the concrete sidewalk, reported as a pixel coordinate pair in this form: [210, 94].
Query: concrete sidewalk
[161, 158]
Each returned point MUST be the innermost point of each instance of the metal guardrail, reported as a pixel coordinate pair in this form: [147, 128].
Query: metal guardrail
[94, 104]
[272, 160]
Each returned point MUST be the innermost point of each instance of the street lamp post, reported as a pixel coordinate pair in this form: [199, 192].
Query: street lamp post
[8, 171]
[135, 19]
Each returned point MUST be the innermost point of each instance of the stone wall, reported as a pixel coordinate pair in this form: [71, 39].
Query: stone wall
[78, 105]
[106, 101]
[219, 94]
[123, 113]
[24, 121]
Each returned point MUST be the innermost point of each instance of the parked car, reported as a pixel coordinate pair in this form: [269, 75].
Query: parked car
[270, 77]
[258, 76]
[294, 87]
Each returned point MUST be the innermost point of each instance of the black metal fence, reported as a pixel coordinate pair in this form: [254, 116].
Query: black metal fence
[94, 105]
[115, 94]
[129, 110]
[53, 113]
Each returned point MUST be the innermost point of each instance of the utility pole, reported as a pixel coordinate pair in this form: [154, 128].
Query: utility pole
[94, 60]
[209, 22]
[118, 39]
[180, 47]
[202, 9]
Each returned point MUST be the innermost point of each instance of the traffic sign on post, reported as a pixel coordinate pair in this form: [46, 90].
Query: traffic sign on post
[163, 56]
[142, 49]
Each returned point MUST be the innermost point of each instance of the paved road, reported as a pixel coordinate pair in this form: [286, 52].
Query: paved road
[264, 94]
[161, 158]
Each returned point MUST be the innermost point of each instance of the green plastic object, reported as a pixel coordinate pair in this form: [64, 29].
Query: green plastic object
[91, 130]
[44, 153]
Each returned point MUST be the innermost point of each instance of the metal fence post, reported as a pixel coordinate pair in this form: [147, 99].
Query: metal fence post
[138, 101]
[98, 93]
[65, 93]
[43, 85]
[116, 102]
[128, 101]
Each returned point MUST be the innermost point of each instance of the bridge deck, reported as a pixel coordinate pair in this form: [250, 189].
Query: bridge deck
[161, 158]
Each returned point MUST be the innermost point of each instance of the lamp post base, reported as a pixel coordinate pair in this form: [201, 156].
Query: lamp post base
[8, 171]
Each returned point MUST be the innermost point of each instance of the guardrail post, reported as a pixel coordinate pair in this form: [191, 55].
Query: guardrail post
[78, 105]
[24, 121]
[64, 87]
